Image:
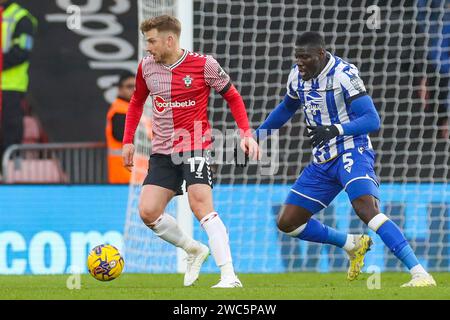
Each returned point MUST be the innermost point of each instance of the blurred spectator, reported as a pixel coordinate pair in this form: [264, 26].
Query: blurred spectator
[18, 29]
[33, 132]
[115, 125]
[434, 18]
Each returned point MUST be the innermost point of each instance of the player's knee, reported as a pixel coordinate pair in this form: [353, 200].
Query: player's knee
[290, 229]
[199, 203]
[285, 224]
[196, 198]
[200, 208]
[291, 218]
[281, 224]
[148, 212]
[366, 207]
[284, 227]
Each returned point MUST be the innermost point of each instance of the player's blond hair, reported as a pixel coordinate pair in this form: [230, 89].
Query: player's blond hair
[162, 23]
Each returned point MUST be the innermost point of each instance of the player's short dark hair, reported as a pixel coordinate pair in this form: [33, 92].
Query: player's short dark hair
[124, 76]
[162, 23]
[310, 38]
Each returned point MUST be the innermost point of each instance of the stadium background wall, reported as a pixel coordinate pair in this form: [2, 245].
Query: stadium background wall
[50, 229]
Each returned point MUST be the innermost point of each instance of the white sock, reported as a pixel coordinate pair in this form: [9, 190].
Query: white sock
[219, 243]
[350, 243]
[418, 270]
[227, 270]
[166, 228]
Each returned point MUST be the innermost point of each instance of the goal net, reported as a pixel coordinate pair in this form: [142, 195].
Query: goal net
[394, 44]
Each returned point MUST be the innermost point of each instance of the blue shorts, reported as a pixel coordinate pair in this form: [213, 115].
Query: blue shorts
[319, 184]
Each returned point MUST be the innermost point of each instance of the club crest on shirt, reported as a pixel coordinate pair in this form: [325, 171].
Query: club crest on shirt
[187, 81]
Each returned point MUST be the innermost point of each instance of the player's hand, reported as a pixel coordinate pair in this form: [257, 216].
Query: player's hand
[127, 155]
[320, 135]
[251, 147]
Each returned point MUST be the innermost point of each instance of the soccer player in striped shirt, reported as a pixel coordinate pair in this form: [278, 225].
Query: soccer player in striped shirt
[339, 115]
[180, 82]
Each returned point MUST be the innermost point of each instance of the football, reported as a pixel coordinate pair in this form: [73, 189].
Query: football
[105, 262]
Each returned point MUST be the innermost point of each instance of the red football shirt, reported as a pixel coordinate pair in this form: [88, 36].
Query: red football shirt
[180, 94]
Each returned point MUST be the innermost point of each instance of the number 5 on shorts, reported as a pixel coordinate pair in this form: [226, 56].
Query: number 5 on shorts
[348, 161]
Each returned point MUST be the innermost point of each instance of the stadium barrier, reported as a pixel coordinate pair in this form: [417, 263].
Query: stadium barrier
[68, 163]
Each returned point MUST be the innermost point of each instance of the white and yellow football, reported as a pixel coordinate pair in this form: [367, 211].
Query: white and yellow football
[105, 262]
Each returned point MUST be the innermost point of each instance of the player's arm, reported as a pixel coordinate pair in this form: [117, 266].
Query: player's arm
[22, 44]
[279, 116]
[367, 119]
[237, 107]
[218, 79]
[134, 113]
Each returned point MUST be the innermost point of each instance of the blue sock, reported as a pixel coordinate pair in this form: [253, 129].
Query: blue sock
[397, 243]
[316, 231]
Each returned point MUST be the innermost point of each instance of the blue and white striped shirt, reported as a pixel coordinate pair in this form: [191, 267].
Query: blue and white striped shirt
[325, 101]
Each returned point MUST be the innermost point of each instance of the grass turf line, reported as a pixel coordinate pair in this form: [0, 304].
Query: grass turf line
[284, 286]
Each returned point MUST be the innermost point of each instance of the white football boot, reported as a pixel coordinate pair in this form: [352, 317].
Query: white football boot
[228, 283]
[193, 265]
[420, 280]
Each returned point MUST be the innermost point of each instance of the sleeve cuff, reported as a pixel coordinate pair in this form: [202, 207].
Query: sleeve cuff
[359, 95]
[340, 129]
[245, 133]
[293, 97]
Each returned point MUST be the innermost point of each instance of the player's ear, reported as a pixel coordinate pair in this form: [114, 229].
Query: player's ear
[171, 40]
[322, 53]
[168, 39]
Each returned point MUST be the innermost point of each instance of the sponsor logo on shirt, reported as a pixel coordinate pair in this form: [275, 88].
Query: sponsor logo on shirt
[160, 105]
[313, 102]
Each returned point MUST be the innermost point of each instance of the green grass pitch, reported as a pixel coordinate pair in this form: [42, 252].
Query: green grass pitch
[285, 286]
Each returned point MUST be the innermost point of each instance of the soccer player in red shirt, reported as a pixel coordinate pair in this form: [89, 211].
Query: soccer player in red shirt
[179, 82]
